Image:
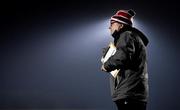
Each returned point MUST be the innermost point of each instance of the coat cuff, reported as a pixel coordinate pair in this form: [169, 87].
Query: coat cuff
[107, 67]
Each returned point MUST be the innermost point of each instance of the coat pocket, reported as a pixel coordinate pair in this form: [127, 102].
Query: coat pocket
[120, 77]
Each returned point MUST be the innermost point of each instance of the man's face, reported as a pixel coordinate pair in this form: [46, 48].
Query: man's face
[115, 26]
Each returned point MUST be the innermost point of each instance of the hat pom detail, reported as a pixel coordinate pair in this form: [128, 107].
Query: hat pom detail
[132, 12]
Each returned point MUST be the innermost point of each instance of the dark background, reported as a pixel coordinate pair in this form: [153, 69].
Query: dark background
[51, 50]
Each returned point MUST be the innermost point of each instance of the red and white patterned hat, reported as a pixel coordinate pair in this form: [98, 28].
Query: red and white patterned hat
[124, 16]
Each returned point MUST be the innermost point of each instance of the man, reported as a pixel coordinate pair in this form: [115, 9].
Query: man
[129, 89]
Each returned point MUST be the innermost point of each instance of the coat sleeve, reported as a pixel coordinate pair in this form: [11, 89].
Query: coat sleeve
[125, 50]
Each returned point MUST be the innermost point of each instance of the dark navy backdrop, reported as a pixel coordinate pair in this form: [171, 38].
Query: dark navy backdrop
[50, 53]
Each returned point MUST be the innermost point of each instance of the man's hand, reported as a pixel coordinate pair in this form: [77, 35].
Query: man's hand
[103, 69]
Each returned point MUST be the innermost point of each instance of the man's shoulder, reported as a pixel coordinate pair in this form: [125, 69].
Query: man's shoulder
[125, 38]
[126, 35]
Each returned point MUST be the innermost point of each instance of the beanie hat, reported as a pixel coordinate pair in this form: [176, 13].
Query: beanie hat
[123, 16]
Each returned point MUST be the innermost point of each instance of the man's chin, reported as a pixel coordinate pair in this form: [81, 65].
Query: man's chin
[112, 32]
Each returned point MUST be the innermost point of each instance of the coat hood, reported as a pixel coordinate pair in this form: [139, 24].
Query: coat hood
[141, 35]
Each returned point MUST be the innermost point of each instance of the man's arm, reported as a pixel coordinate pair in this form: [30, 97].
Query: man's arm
[125, 49]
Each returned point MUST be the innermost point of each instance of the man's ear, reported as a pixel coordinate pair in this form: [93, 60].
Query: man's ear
[120, 26]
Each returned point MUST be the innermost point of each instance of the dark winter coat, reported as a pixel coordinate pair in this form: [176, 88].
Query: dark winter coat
[131, 59]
